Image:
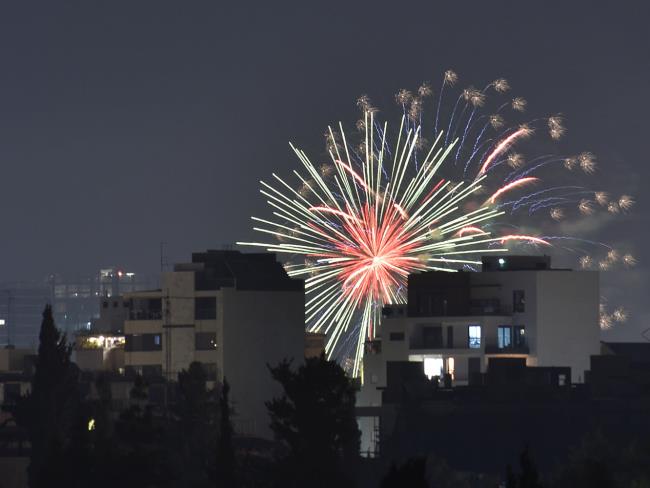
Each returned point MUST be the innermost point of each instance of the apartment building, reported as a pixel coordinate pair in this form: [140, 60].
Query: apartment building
[235, 313]
[517, 307]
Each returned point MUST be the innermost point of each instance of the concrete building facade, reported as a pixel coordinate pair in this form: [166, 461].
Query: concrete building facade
[235, 313]
[518, 306]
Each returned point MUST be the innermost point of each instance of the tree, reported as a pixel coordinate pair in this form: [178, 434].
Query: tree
[411, 474]
[315, 419]
[196, 412]
[528, 477]
[225, 449]
[49, 411]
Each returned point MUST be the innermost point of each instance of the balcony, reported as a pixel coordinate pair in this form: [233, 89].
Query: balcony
[513, 349]
[492, 306]
[145, 314]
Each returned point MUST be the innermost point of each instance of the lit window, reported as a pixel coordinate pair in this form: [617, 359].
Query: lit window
[474, 341]
[451, 367]
[504, 336]
[433, 367]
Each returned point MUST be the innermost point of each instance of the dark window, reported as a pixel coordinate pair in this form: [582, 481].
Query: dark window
[143, 370]
[518, 301]
[205, 341]
[396, 336]
[210, 370]
[518, 336]
[152, 370]
[12, 393]
[450, 337]
[504, 336]
[116, 304]
[474, 337]
[105, 304]
[146, 309]
[474, 371]
[432, 337]
[205, 308]
[142, 342]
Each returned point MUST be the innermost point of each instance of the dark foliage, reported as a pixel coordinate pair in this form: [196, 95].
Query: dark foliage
[196, 419]
[315, 419]
[528, 476]
[601, 463]
[50, 412]
[412, 474]
[226, 472]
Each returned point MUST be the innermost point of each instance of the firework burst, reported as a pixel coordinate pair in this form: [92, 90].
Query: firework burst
[388, 204]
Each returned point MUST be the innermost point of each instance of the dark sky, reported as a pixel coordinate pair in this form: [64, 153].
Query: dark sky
[127, 123]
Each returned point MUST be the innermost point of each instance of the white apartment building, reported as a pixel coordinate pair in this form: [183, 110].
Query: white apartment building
[517, 306]
[235, 313]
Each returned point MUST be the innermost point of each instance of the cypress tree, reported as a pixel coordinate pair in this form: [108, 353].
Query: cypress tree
[48, 412]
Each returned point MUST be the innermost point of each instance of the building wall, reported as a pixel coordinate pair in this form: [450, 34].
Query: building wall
[260, 328]
[568, 317]
[14, 359]
[506, 283]
[560, 316]
[411, 348]
[253, 329]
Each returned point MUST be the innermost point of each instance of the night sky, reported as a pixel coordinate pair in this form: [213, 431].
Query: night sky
[127, 123]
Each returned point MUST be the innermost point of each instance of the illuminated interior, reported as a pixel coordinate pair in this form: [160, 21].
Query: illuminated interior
[101, 342]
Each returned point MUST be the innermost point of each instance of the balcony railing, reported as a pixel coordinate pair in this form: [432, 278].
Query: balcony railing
[145, 315]
[513, 349]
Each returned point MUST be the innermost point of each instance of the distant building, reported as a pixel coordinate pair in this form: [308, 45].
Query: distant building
[235, 313]
[75, 301]
[76, 298]
[16, 369]
[21, 312]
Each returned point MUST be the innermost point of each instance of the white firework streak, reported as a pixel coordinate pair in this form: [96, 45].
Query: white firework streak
[355, 236]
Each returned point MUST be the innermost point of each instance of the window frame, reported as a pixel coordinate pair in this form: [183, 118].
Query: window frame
[502, 343]
[474, 342]
[519, 301]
